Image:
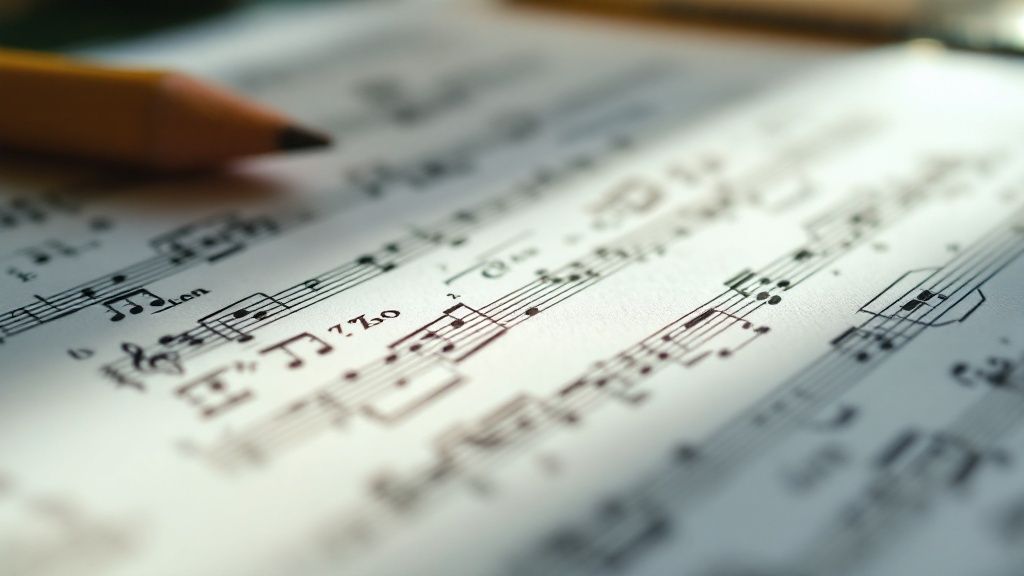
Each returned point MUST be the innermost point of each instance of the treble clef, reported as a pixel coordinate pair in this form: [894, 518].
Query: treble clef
[168, 362]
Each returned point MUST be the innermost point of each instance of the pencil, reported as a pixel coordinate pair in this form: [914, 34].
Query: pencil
[146, 118]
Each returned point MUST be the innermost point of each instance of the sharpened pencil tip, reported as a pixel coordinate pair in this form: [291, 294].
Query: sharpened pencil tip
[296, 138]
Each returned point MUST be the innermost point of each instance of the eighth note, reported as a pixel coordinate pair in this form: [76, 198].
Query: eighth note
[129, 301]
[288, 347]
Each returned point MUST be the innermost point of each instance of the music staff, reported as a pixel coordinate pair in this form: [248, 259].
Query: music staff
[723, 326]
[781, 413]
[219, 237]
[585, 394]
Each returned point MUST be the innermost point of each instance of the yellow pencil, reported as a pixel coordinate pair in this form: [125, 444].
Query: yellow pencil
[146, 118]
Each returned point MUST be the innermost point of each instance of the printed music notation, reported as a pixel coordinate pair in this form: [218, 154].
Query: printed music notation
[892, 327]
[215, 238]
[685, 343]
[563, 282]
[617, 310]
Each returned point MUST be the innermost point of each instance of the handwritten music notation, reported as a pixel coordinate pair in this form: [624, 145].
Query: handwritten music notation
[622, 310]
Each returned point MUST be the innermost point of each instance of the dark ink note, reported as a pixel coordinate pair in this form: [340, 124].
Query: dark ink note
[370, 260]
[186, 338]
[457, 334]
[294, 348]
[46, 252]
[739, 280]
[133, 302]
[234, 321]
[914, 298]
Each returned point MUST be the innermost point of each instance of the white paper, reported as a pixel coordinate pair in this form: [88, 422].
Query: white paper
[565, 299]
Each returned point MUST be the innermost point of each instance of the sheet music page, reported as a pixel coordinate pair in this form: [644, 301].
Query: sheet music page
[565, 299]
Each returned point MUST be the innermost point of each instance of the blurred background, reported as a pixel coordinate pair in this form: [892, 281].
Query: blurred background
[989, 25]
[62, 24]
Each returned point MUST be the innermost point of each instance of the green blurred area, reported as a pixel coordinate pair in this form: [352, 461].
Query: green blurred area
[56, 24]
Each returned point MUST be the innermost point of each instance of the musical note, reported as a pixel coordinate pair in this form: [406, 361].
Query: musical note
[289, 346]
[371, 260]
[912, 298]
[91, 292]
[130, 302]
[996, 371]
[441, 336]
[186, 338]
[864, 342]
[233, 321]
[739, 280]
[631, 361]
[37, 256]
[43, 254]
